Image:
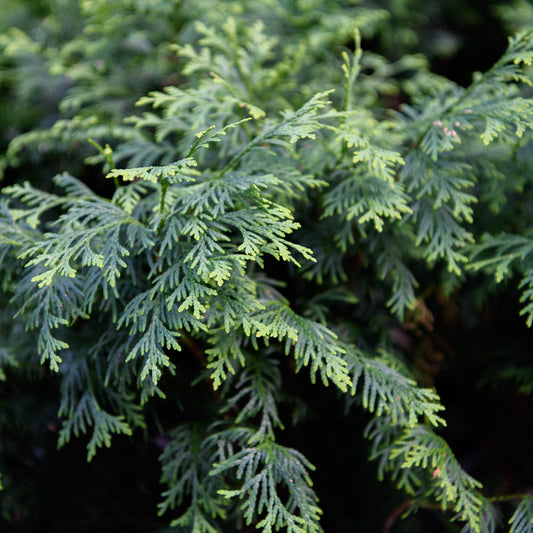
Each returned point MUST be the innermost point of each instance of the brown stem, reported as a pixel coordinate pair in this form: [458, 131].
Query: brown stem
[396, 513]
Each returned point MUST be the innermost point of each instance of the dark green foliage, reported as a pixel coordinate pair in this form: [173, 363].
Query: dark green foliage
[231, 206]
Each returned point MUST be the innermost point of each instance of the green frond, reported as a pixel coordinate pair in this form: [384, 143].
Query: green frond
[392, 268]
[266, 469]
[522, 519]
[128, 198]
[385, 391]
[49, 309]
[527, 296]
[489, 520]
[367, 199]
[257, 389]
[153, 331]
[86, 414]
[499, 252]
[310, 343]
[299, 124]
[174, 173]
[379, 162]
[223, 356]
[503, 255]
[443, 237]
[186, 462]
[452, 487]
[61, 255]
[519, 52]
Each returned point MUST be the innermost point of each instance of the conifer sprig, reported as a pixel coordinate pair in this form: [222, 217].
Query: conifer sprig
[262, 224]
[522, 519]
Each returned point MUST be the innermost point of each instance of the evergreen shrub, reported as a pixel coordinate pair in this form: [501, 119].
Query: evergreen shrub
[234, 236]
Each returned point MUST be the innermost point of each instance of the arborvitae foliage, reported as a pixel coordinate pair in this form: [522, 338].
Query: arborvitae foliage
[280, 201]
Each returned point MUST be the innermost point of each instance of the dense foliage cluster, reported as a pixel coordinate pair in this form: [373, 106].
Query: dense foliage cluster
[246, 233]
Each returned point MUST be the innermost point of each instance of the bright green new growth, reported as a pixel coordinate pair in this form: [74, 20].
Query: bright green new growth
[220, 179]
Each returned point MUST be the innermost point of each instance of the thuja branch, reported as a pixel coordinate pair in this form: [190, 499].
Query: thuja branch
[296, 125]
